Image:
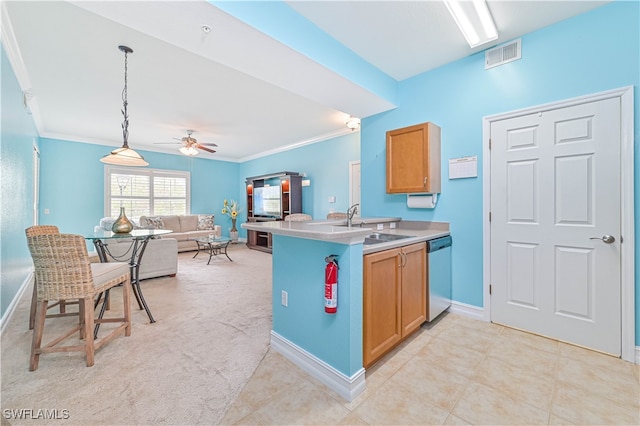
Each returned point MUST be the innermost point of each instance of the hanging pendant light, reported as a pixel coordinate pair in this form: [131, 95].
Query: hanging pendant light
[124, 156]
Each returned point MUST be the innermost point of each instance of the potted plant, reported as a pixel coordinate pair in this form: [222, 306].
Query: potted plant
[232, 209]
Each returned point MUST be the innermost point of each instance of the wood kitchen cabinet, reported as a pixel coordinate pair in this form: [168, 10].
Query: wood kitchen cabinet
[413, 159]
[394, 298]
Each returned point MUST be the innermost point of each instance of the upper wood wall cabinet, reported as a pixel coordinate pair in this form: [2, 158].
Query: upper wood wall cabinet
[413, 159]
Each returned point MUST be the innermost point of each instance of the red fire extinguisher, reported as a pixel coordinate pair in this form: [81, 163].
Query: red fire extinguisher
[331, 284]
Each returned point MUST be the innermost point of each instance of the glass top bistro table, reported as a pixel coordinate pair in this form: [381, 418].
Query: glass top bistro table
[215, 246]
[139, 240]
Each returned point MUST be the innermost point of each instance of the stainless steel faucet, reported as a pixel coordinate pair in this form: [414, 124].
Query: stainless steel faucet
[351, 212]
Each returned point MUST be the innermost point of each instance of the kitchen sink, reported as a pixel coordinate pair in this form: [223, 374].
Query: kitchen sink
[377, 238]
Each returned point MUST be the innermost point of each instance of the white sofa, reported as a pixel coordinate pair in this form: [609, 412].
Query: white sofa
[183, 227]
[159, 259]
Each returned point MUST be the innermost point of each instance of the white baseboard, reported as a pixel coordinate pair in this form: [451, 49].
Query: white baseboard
[347, 387]
[12, 306]
[466, 310]
[638, 355]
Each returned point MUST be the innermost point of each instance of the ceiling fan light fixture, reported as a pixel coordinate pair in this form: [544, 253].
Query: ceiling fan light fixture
[353, 123]
[188, 150]
[474, 21]
[125, 156]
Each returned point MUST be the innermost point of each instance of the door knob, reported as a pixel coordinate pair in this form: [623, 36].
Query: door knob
[607, 239]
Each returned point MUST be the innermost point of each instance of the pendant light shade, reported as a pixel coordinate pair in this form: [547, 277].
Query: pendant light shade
[124, 156]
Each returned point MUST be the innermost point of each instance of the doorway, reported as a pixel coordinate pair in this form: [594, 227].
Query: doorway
[558, 237]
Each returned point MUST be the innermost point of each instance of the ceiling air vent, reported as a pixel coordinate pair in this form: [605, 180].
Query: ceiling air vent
[503, 54]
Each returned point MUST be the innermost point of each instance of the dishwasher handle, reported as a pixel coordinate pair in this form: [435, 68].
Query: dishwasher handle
[439, 244]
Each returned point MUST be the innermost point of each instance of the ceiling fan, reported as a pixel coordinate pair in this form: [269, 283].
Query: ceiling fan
[190, 145]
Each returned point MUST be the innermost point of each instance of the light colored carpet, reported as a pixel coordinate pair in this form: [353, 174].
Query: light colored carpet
[212, 330]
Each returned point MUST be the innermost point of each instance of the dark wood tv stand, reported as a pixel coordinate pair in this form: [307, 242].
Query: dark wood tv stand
[290, 202]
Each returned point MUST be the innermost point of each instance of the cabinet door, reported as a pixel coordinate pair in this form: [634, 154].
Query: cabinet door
[413, 159]
[381, 311]
[414, 287]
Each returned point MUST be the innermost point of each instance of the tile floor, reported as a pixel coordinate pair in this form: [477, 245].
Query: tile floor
[456, 371]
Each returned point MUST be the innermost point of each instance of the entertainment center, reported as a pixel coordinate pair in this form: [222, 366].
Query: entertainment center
[271, 197]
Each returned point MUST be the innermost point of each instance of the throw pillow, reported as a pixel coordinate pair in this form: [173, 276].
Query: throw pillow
[106, 223]
[205, 222]
[155, 222]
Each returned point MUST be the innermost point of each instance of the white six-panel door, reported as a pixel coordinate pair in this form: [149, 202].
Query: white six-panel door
[555, 224]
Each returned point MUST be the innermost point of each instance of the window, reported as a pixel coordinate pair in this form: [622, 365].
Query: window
[146, 192]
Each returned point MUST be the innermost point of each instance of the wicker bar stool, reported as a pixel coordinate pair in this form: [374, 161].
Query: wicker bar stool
[337, 215]
[63, 271]
[297, 217]
[62, 304]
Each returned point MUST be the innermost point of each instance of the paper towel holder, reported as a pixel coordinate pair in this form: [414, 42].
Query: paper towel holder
[422, 201]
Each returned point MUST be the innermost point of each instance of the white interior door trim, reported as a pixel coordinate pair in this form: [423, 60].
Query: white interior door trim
[626, 203]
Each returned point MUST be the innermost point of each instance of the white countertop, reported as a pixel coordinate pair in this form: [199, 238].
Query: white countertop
[336, 231]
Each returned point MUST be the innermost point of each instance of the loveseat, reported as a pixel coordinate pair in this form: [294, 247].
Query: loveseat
[160, 258]
[183, 227]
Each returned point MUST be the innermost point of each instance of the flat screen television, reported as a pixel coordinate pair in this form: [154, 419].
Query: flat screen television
[266, 201]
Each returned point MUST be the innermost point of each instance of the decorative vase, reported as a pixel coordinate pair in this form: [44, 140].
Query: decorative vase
[233, 232]
[122, 225]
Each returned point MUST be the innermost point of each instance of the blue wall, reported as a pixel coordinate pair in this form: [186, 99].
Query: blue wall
[593, 52]
[70, 168]
[298, 269]
[19, 136]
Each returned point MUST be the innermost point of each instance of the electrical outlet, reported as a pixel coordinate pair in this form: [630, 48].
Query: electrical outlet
[285, 298]
[392, 225]
[46, 211]
[379, 227]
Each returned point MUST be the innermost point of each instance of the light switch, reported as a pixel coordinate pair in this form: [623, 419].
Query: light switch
[46, 211]
[332, 199]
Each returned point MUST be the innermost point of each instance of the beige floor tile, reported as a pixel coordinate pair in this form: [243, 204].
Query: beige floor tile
[274, 375]
[537, 361]
[303, 403]
[449, 356]
[440, 387]
[557, 421]
[584, 407]
[386, 366]
[519, 383]
[236, 412]
[532, 340]
[480, 326]
[481, 404]
[352, 419]
[596, 359]
[250, 420]
[470, 338]
[415, 342]
[455, 421]
[616, 384]
[398, 405]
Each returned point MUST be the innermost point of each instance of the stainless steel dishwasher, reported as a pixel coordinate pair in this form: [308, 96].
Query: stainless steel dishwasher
[438, 276]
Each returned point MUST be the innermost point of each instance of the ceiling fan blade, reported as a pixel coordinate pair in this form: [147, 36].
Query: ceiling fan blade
[208, 144]
[197, 145]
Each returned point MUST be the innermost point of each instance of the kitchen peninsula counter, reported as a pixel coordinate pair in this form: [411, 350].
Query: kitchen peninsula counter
[327, 346]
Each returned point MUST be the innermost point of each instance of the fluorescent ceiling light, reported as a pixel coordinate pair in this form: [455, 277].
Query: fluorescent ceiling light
[474, 20]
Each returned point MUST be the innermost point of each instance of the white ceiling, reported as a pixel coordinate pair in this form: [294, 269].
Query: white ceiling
[235, 86]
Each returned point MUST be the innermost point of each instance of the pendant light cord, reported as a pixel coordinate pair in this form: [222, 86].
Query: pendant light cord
[125, 123]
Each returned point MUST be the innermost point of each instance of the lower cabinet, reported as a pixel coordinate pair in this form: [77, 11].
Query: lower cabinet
[394, 297]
